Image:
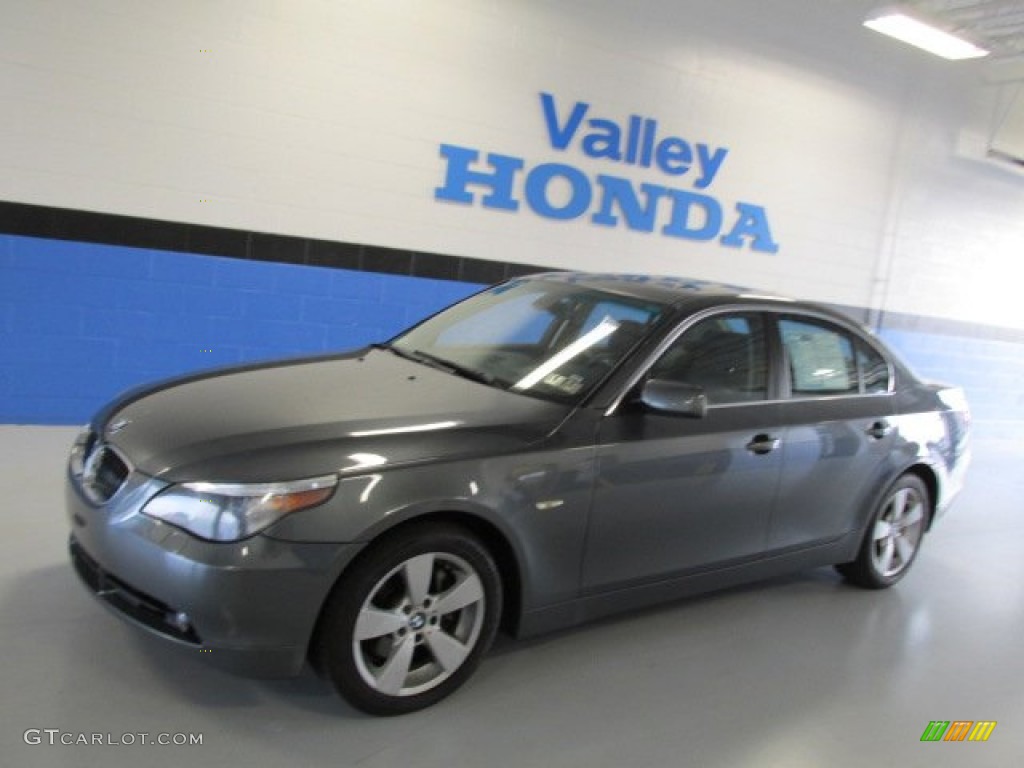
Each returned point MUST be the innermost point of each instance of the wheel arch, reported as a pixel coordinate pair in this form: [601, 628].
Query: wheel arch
[489, 534]
[926, 474]
[500, 548]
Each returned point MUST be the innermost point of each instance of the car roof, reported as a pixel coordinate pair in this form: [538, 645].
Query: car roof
[661, 288]
[691, 295]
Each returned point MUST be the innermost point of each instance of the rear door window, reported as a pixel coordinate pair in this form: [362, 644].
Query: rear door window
[821, 358]
[874, 370]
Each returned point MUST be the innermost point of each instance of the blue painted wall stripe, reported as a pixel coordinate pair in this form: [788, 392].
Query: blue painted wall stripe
[82, 322]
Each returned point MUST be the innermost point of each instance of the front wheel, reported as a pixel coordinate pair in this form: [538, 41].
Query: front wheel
[893, 536]
[409, 624]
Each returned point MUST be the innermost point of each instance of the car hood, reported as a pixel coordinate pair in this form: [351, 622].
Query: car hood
[301, 418]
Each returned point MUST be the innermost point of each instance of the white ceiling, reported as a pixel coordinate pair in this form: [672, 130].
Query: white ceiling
[995, 24]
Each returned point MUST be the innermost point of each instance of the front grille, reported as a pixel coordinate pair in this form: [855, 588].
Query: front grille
[104, 472]
[135, 604]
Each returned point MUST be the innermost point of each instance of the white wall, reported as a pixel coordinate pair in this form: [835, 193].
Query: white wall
[323, 118]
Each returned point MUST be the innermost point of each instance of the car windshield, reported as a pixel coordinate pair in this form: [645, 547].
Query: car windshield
[548, 339]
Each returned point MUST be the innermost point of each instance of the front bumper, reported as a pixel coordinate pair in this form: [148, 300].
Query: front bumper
[250, 605]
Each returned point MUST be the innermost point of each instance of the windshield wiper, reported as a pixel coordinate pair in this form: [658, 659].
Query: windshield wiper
[440, 363]
[461, 370]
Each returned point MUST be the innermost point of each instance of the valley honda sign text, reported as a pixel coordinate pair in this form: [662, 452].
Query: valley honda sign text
[563, 192]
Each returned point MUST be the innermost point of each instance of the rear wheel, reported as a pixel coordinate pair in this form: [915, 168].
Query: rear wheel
[893, 536]
[409, 624]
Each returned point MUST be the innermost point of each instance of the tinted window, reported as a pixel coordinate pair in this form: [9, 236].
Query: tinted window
[626, 315]
[821, 358]
[517, 321]
[874, 370]
[724, 355]
[555, 340]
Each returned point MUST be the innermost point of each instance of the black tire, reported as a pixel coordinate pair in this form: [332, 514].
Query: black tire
[893, 536]
[421, 639]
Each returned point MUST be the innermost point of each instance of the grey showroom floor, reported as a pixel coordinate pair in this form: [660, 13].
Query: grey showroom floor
[795, 672]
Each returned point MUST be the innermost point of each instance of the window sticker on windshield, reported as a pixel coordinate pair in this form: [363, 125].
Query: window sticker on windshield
[571, 385]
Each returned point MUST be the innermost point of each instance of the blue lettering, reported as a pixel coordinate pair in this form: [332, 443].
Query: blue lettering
[683, 203]
[635, 144]
[621, 191]
[709, 164]
[560, 136]
[647, 147]
[674, 156]
[537, 191]
[459, 177]
[604, 143]
[752, 223]
[633, 139]
[563, 192]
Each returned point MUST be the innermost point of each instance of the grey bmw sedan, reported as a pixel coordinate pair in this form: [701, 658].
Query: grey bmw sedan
[553, 449]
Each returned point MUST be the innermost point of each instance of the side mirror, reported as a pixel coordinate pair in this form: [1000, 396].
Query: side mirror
[674, 398]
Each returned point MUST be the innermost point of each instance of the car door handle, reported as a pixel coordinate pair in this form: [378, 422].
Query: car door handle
[762, 444]
[880, 429]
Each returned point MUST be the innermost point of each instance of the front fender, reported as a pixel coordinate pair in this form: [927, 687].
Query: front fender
[538, 503]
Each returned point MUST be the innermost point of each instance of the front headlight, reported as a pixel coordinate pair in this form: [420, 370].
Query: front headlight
[80, 449]
[233, 511]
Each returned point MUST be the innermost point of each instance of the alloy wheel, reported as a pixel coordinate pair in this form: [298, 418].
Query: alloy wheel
[897, 532]
[418, 624]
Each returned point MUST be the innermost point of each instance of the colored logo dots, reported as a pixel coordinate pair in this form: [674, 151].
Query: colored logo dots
[958, 730]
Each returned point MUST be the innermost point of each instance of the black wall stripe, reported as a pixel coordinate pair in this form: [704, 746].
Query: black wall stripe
[113, 229]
